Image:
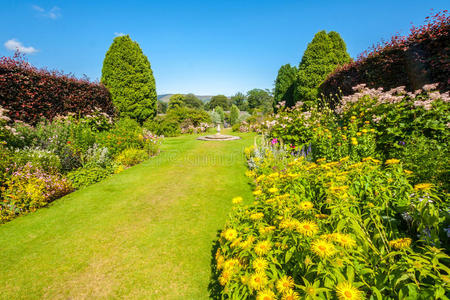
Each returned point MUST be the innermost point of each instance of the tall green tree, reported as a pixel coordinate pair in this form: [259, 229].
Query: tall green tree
[240, 101]
[260, 99]
[322, 56]
[176, 101]
[234, 114]
[285, 85]
[128, 75]
[162, 107]
[219, 100]
[190, 100]
[218, 109]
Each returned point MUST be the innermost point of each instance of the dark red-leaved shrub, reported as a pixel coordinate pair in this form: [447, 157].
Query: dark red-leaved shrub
[30, 94]
[412, 61]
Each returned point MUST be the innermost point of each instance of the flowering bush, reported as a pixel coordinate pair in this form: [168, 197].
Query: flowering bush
[131, 156]
[88, 175]
[43, 159]
[30, 188]
[340, 229]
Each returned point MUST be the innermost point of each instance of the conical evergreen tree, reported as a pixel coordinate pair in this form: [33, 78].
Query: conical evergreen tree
[321, 57]
[285, 85]
[128, 76]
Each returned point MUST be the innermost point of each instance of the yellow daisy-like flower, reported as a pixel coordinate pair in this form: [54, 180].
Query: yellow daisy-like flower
[260, 264]
[285, 283]
[423, 186]
[354, 141]
[307, 228]
[230, 234]
[321, 216]
[266, 230]
[237, 200]
[250, 174]
[257, 281]
[265, 295]
[231, 264]
[345, 240]
[306, 205]
[358, 133]
[263, 247]
[257, 216]
[400, 243]
[220, 260]
[392, 161]
[235, 242]
[353, 117]
[257, 193]
[290, 295]
[247, 243]
[225, 277]
[273, 190]
[323, 248]
[290, 224]
[346, 291]
[408, 172]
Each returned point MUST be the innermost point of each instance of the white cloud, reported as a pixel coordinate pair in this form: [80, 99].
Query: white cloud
[53, 13]
[15, 45]
[119, 34]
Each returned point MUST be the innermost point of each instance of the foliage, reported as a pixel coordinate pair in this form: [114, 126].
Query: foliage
[176, 101]
[321, 57]
[190, 100]
[411, 61]
[30, 94]
[162, 107]
[234, 115]
[89, 175]
[318, 230]
[30, 188]
[131, 156]
[260, 99]
[96, 156]
[128, 75]
[124, 134]
[240, 100]
[285, 85]
[219, 100]
[219, 110]
[170, 124]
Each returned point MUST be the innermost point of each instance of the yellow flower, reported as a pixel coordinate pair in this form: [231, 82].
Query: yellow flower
[230, 234]
[344, 159]
[307, 228]
[265, 230]
[260, 264]
[263, 247]
[400, 243]
[237, 200]
[354, 141]
[220, 260]
[353, 118]
[321, 216]
[285, 283]
[225, 277]
[265, 295]
[320, 160]
[364, 130]
[235, 242]
[257, 216]
[423, 186]
[392, 161]
[345, 291]
[230, 264]
[306, 205]
[257, 281]
[247, 243]
[250, 174]
[290, 224]
[273, 190]
[290, 295]
[322, 248]
[257, 192]
[358, 133]
[367, 122]
[408, 172]
[345, 240]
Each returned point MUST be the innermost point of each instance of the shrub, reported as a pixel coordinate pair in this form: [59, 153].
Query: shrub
[128, 75]
[45, 160]
[131, 156]
[124, 134]
[410, 61]
[30, 94]
[234, 114]
[89, 175]
[30, 188]
[285, 85]
[97, 156]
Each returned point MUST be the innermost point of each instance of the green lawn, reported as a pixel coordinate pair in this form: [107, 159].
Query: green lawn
[144, 233]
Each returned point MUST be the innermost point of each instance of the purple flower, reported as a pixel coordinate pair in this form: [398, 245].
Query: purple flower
[274, 141]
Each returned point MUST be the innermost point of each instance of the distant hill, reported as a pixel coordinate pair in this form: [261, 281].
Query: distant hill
[166, 98]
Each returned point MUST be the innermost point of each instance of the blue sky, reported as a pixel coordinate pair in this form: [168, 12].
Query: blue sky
[205, 47]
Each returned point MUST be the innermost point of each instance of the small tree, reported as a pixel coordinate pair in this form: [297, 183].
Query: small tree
[260, 99]
[321, 57]
[219, 100]
[190, 100]
[176, 101]
[234, 115]
[221, 113]
[285, 85]
[128, 75]
[162, 107]
[240, 101]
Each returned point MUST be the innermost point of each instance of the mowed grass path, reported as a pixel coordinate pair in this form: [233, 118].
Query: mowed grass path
[146, 233]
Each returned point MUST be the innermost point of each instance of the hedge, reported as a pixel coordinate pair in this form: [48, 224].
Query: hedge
[422, 57]
[30, 94]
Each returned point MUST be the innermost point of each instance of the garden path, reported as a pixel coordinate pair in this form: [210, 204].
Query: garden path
[146, 233]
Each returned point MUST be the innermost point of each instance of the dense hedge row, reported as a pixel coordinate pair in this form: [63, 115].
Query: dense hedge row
[412, 61]
[30, 94]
